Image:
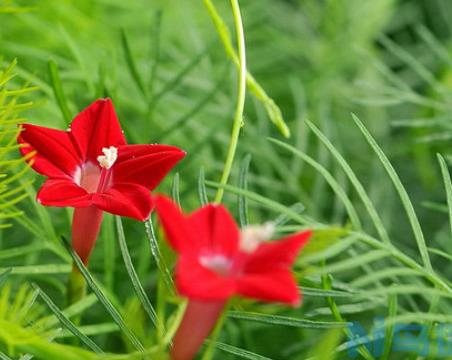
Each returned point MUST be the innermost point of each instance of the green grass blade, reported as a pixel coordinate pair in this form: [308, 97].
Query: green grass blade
[243, 184]
[203, 199]
[4, 356]
[131, 63]
[378, 223]
[284, 320]
[237, 352]
[317, 292]
[447, 185]
[353, 263]
[325, 348]
[326, 283]
[104, 300]
[170, 85]
[58, 91]
[385, 273]
[139, 290]
[157, 255]
[440, 253]
[403, 194]
[184, 118]
[47, 269]
[66, 322]
[74, 310]
[92, 330]
[270, 204]
[4, 276]
[156, 36]
[175, 193]
[109, 247]
[21, 250]
[389, 333]
[335, 186]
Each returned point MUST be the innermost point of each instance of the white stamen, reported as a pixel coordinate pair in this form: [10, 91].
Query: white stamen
[252, 235]
[107, 160]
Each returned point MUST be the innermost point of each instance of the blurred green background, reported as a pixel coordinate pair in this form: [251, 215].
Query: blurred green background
[163, 64]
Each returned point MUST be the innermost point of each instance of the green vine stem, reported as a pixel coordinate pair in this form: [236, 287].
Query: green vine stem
[238, 116]
[254, 87]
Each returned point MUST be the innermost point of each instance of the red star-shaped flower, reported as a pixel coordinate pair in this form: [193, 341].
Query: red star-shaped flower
[91, 163]
[91, 166]
[217, 260]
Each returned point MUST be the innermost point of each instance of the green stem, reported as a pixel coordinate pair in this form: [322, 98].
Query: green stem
[76, 288]
[238, 117]
[254, 87]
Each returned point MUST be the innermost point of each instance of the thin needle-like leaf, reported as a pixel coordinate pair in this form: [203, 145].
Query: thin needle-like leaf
[403, 194]
[139, 290]
[378, 223]
[243, 184]
[447, 185]
[203, 199]
[58, 91]
[104, 300]
[67, 322]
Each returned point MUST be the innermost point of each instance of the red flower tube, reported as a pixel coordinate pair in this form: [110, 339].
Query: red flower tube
[217, 261]
[91, 167]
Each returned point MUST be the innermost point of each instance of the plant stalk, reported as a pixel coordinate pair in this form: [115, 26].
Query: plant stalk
[238, 116]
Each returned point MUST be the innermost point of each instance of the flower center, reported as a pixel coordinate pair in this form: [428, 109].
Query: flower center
[107, 160]
[87, 176]
[95, 178]
[217, 263]
[252, 236]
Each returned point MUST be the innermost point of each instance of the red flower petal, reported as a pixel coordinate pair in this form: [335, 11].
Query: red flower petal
[146, 165]
[129, 200]
[175, 225]
[197, 282]
[273, 285]
[278, 253]
[55, 156]
[62, 192]
[216, 230]
[96, 127]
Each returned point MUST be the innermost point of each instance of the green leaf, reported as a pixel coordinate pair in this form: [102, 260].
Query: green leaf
[40, 269]
[104, 300]
[322, 240]
[403, 194]
[389, 333]
[335, 186]
[66, 322]
[378, 223]
[131, 63]
[58, 91]
[270, 204]
[240, 353]
[139, 290]
[447, 185]
[175, 193]
[155, 250]
[4, 276]
[203, 199]
[325, 348]
[243, 184]
[284, 320]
